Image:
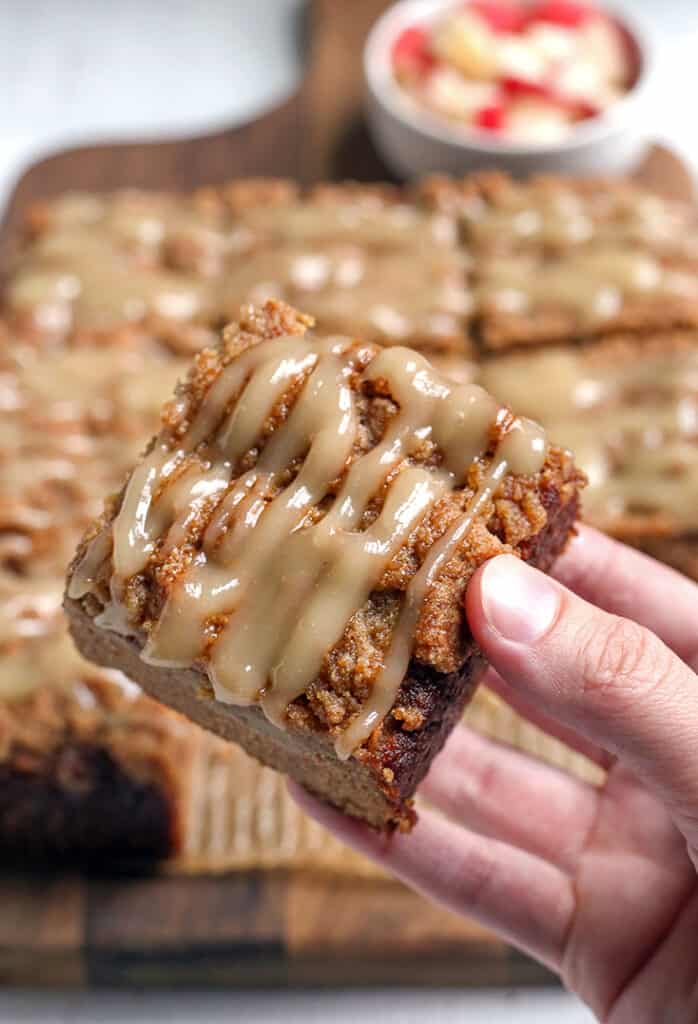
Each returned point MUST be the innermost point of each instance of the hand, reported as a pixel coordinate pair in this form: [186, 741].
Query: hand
[598, 883]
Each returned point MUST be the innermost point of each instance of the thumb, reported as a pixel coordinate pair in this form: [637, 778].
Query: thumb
[607, 677]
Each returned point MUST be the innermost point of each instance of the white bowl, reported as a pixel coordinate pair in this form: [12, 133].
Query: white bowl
[414, 142]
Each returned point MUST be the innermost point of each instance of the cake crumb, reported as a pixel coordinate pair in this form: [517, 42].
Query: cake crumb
[411, 718]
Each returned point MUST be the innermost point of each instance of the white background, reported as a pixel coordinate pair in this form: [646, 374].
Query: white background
[402, 1006]
[74, 70]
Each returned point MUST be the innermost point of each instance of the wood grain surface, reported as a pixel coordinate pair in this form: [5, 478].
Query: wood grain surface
[256, 928]
[249, 928]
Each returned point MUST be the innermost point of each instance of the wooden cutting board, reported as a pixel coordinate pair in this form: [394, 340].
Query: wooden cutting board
[250, 928]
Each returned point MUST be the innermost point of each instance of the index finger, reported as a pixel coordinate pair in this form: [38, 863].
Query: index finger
[625, 582]
[603, 675]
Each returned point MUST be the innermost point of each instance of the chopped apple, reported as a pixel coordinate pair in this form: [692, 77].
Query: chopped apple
[517, 58]
[466, 41]
[601, 43]
[551, 42]
[528, 69]
[500, 15]
[562, 12]
[537, 121]
[448, 92]
[581, 82]
[411, 53]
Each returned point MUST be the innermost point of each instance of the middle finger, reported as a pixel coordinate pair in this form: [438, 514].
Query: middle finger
[501, 792]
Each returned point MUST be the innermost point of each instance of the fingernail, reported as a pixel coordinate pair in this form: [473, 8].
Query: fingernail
[519, 602]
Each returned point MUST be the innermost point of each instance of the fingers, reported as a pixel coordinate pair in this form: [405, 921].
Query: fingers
[626, 582]
[532, 713]
[525, 899]
[665, 989]
[503, 793]
[606, 677]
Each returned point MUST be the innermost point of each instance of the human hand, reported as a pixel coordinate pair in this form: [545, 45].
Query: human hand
[600, 884]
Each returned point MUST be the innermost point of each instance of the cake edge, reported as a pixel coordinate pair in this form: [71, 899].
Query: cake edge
[378, 784]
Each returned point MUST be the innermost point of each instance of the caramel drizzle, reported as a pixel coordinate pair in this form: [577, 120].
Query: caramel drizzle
[592, 283]
[106, 261]
[286, 583]
[632, 424]
[560, 218]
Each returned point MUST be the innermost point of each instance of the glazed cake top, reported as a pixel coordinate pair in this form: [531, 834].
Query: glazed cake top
[437, 266]
[297, 476]
[628, 408]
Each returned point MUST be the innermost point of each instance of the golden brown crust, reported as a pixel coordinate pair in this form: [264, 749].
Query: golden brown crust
[608, 202]
[73, 736]
[548, 222]
[669, 230]
[618, 347]
[85, 759]
[245, 192]
[98, 710]
[297, 254]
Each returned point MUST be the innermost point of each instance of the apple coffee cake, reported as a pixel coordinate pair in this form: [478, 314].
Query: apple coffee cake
[558, 259]
[287, 563]
[89, 767]
[364, 255]
[135, 281]
[628, 408]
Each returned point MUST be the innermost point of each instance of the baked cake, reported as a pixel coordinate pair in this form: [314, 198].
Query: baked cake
[129, 284]
[628, 408]
[179, 265]
[89, 767]
[75, 740]
[555, 259]
[287, 562]
[629, 411]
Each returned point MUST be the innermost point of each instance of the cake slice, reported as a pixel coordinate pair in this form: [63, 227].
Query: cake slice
[286, 564]
[91, 770]
[595, 290]
[555, 215]
[555, 258]
[360, 257]
[627, 406]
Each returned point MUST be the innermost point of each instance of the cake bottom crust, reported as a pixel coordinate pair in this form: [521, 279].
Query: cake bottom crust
[378, 783]
[355, 786]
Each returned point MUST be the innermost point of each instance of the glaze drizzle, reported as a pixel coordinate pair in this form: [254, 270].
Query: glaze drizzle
[284, 579]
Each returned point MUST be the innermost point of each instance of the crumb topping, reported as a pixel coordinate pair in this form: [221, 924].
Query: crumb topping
[348, 673]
